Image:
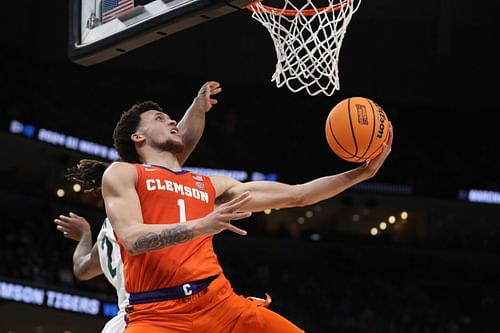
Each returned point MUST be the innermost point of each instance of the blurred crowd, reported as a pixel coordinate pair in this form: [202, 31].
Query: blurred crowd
[343, 284]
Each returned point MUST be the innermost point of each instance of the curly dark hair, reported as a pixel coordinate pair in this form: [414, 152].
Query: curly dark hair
[126, 126]
[89, 172]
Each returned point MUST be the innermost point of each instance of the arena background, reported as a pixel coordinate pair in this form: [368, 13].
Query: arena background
[432, 65]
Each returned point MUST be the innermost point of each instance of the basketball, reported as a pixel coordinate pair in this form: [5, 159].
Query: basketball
[356, 129]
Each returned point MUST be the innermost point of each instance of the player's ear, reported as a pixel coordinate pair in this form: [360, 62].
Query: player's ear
[137, 137]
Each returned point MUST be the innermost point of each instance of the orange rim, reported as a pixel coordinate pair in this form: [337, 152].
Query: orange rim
[293, 12]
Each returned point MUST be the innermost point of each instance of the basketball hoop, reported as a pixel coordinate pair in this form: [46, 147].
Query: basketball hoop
[307, 39]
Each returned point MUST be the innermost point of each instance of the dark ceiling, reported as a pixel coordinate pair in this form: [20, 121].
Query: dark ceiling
[436, 53]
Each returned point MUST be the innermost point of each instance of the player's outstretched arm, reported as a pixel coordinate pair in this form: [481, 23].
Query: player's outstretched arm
[192, 123]
[86, 263]
[266, 195]
[124, 212]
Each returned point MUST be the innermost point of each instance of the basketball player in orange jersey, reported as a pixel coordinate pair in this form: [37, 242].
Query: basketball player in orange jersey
[165, 217]
[104, 256]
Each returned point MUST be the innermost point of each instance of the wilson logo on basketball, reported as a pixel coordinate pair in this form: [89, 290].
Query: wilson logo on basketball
[362, 116]
[381, 125]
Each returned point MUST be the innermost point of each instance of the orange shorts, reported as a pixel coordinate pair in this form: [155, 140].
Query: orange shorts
[216, 309]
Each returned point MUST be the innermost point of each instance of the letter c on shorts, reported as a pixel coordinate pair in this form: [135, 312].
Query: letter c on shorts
[187, 289]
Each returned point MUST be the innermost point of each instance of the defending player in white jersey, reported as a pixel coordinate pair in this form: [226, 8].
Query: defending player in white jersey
[112, 267]
[101, 258]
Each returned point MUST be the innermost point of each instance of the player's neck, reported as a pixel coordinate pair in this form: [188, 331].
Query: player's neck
[164, 158]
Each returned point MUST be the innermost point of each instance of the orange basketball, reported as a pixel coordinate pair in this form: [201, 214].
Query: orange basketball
[356, 128]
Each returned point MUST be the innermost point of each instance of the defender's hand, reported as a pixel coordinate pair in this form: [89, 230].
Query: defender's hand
[205, 94]
[72, 226]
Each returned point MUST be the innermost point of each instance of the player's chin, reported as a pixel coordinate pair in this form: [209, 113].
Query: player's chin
[174, 145]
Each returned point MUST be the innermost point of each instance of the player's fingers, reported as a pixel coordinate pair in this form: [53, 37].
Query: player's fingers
[237, 202]
[74, 215]
[241, 215]
[386, 146]
[235, 216]
[71, 235]
[215, 91]
[234, 229]
[391, 135]
[61, 223]
[213, 84]
[68, 233]
[213, 101]
[63, 229]
[66, 219]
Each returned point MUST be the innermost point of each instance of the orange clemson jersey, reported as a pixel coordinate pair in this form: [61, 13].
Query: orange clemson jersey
[169, 197]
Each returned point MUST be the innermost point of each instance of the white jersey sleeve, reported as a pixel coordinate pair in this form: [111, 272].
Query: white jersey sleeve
[112, 264]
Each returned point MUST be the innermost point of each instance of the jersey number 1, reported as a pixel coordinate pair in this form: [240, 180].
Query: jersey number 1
[182, 210]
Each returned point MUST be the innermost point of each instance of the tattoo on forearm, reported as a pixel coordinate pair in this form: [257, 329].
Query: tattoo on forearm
[167, 237]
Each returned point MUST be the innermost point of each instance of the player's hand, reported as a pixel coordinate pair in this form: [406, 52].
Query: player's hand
[205, 94]
[72, 226]
[220, 219]
[373, 165]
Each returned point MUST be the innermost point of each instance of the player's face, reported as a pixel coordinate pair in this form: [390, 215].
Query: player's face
[160, 131]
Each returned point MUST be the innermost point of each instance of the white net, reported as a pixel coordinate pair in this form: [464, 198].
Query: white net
[307, 39]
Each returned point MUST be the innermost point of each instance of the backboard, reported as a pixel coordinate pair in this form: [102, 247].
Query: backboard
[100, 30]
